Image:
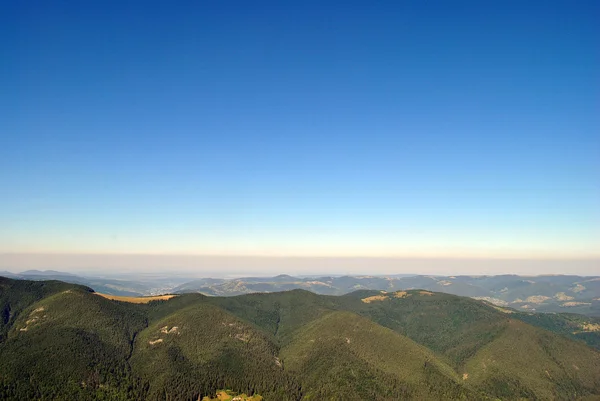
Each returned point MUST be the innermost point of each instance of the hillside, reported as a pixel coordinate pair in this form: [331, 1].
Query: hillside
[71, 344]
[63, 341]
[553, 293]
[545, 293]
[344, 355]
[134, 286]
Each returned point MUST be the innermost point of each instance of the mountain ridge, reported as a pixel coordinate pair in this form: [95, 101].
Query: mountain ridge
[292, 345]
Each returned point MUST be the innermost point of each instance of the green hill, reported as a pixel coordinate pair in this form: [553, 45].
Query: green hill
[62, 341]
[202, 348]
[71, 345]
[16, 295]
[347, 356]
[532, 363]
[546, 293]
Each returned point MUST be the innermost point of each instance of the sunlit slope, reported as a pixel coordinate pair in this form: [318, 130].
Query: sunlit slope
[455, 327]
[527, 362]
[345, 356]
[64, 342]
[578, 327]
[65, 345]
[202, 348]
[496, 353]
[281, 313]
[136, 300]
[16, 295]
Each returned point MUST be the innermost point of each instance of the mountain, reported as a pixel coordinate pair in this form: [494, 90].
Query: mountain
[104, 285]
[550, 293]
[46, 273]
[64, 341]
[555, 293]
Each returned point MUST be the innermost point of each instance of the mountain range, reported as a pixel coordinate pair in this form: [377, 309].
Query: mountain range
[115, 284]
[545, 293]
[549, 293]
[65, 341]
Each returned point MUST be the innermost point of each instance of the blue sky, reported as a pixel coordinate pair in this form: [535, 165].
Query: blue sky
[301, 128]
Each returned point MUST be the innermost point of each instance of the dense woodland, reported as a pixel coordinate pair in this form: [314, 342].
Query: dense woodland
[63, 341]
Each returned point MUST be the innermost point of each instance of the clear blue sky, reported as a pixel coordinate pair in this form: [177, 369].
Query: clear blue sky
[442, 128]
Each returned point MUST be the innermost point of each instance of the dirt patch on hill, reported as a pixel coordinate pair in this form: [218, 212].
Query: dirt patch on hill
[172, 330]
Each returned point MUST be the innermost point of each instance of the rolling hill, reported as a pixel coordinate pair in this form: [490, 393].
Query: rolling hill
[551, 293]
[545, 293]
[63, 341]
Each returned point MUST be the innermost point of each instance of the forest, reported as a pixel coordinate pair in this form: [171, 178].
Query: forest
[63, 341]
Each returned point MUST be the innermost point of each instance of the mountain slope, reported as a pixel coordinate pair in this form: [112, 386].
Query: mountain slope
[347, 356]
[550, 293]
[532, 363]
[70, 345]
[202, 348]
[16, 295]
[65, 342]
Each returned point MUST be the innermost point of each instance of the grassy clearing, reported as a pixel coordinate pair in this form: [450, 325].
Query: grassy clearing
[227, 395]
[368, 300]
[136, 300]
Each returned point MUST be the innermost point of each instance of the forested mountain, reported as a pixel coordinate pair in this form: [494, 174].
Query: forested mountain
[64, 341]
[550, 293]
[132, 285]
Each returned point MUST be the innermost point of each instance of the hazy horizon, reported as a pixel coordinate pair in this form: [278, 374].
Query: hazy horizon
[239, 266]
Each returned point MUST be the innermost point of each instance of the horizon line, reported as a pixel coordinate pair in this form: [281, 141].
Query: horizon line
[295, 256]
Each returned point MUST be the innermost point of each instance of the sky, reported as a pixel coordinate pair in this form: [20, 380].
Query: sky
[348, 129]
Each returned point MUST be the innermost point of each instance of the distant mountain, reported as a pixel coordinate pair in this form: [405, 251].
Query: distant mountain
[558, 293]
[46, 273]
[62, 341]
[546, 293]
[107, 286]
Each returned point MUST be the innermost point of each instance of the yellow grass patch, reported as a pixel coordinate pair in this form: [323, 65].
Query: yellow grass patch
[401, 294]
[573, 303]
[426, 293]
[590, 327]
[136, 300]
[223, 395]
[368, 300]
[561, 296]
[537, 299]
[501, 309]
[577, 288]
